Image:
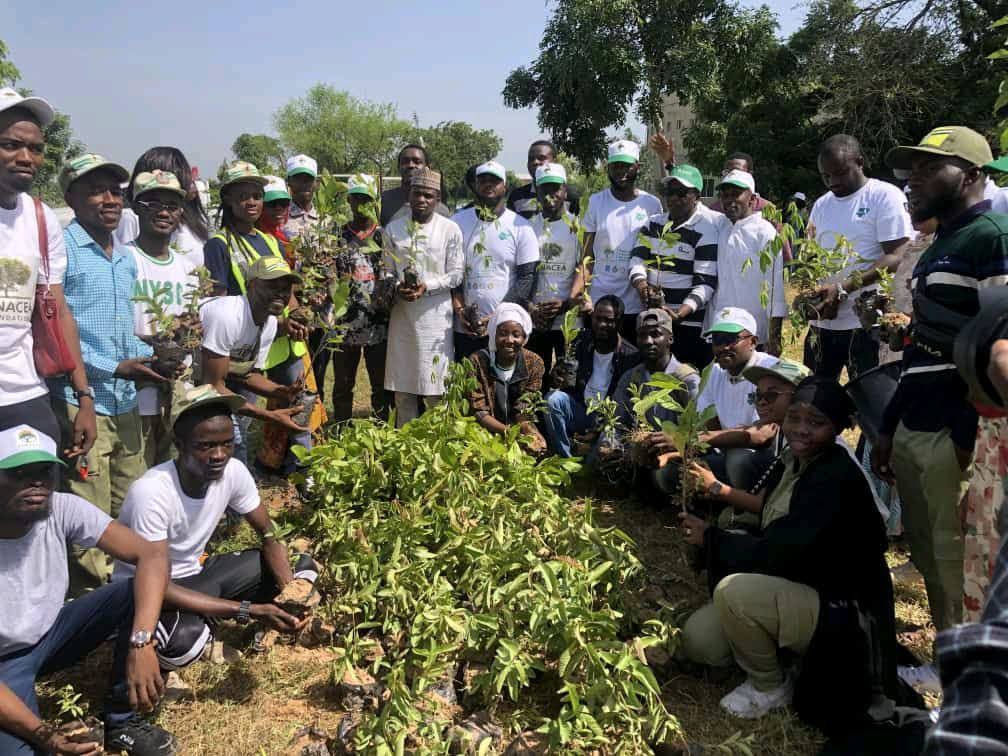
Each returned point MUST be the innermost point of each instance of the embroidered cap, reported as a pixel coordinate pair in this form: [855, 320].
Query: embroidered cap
[951, 141]
[624, 151]
[550, 173]
[11, 98]
[362, 183]
[493, 168]
[276, 189]
[741, 179]
[733, 320]
[425, 178]
[23, 445]
[148, 181]
[84, 164]
[238, 171]
[302, 164]
[270, 268]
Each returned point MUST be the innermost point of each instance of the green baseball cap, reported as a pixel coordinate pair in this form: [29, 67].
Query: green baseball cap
[787, 370]
[23, 445]
[148, 181]
[1000, 165]
[270, 268]
[362, 183]
[687, 175]
[239, 170]
[276, 189]
[202, 396]
[79, 166]
[950, 141]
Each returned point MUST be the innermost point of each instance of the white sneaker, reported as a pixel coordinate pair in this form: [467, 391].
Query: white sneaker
[747, 702]
[923, 679]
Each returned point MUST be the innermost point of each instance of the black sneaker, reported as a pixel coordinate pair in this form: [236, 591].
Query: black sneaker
[138, 737]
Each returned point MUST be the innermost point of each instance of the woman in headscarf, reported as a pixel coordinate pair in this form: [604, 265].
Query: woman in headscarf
[813, 581]
[506, 373]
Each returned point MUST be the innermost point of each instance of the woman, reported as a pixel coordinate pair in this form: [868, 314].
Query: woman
[194, 229]
[814, 581]
[276, 210]
[505, 373]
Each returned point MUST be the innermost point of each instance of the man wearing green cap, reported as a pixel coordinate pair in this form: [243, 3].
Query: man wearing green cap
[302, 178]
[99, 285]
[680, 276]
[163, 277]
[929, 428]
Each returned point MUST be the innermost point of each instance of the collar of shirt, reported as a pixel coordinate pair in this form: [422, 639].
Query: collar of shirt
[964, 218]
[733, 379]
[82, 238]
[296, 211]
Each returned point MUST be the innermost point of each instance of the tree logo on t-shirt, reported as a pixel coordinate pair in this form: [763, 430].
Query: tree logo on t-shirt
[862, 212]
[13, 273]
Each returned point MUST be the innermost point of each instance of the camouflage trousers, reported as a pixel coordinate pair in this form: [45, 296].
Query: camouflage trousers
[983, 500]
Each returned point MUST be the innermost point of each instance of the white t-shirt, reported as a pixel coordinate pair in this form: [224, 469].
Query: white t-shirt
[228, 330]
[601, 376]
[174, 273]
[33, 569]
[730, 394]
[740, 278]
[615, 225]
[875, 213]
[558, 260]
[183, 240]
[493, 251]
[20, 272]
[157, 510]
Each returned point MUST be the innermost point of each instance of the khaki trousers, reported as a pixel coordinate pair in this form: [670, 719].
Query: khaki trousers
[114, 462]
[931, 484]
[750, 618]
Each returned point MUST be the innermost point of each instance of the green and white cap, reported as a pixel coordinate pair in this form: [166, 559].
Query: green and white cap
[624, 151]
[733, 320]
[23, 445]
[686, 175]
[202, 396]
[550, 173]
[741, 179]
[238, 171]
[493, 168]
[148, 181]
[787, 370]
[302, 164]
[1000, 165]
[275, 190]
[363, 183]
[84, 164]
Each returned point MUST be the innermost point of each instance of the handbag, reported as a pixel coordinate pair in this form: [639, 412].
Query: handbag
[52, 357]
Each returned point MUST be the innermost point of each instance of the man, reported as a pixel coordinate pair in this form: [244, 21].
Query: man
[423, 251]
[740, 161]
[734, 335]
[302, 177]
[165, 277]
[177, 505]
[559, 256]
[99, 283]
[603, 356]
[929, 428]
[23, 392]
[40, 634]
[745, 279]
[395, 201]
[680, 277]
[613, 218]
[871, 215]
[501, 255]
[238, 333]
[523, 199]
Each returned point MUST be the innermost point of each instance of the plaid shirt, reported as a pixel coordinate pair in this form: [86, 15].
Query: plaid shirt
[99, 292]
[974, 713]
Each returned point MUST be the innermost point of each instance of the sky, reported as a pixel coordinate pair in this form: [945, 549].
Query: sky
[192, 75]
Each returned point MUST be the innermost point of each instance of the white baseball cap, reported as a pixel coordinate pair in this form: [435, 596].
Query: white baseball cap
[276, 189]
[733, 320]
[624, 151]
[23, 445]
[363, 183]
[741, 179]
[11, 98]
[550, 173]
[301, 164]
[493, 168]
[800, 196]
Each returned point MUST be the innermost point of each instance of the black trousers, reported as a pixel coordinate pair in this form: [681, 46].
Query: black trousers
[829, 352]
[466, 345]
[547, 344]
[691, 347]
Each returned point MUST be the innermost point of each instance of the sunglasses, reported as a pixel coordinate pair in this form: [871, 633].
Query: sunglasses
[724, 339]
[156, 206]
[767, 396]
[677, 191]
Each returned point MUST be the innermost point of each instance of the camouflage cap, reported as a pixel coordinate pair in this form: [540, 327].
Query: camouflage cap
[787, 370]
[148, 181]
[84, 164]
[239, 170]
[202, 396]
[269, 268]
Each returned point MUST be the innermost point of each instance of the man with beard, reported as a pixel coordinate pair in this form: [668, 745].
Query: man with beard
[523, 200]
[41, 634]
[929, 428]
[612, 221]
[395, 201]
[98, 284]
[238, 332]
[177, 505]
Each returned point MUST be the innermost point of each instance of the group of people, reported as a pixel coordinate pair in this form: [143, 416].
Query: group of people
[168, 329]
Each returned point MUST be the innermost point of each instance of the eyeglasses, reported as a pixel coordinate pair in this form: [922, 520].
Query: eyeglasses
[767, 396]
[155, 206]
[724, 339]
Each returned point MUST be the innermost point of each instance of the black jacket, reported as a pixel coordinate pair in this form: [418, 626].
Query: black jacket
[625, 357]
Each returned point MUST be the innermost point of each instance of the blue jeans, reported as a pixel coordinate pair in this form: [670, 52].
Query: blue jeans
[286, 373]
[565, 417]
[81, 626]
[241, 424]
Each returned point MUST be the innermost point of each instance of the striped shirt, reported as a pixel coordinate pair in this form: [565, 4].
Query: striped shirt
[686, 271]
[99, 292]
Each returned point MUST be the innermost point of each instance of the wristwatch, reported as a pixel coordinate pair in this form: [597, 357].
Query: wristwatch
[243, 616]
[714, 489]
[88, 391]
[141, 638]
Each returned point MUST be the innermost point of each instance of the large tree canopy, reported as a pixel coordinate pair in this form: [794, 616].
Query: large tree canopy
[456, 145]
[263, 151]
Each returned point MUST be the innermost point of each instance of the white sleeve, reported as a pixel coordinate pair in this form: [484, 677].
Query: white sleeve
[590, 222]
[527, 244]
[128, 229]
[706, 398]
[266, 342]
[217, 337]
[146, 508]
[893, 221]
[81, 522]
[57, 249]
[778, 303]
[243, 495]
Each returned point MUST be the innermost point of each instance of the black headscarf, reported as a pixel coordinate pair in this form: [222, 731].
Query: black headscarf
[829, 397]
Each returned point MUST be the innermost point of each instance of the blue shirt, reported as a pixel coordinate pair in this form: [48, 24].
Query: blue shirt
[99, 293]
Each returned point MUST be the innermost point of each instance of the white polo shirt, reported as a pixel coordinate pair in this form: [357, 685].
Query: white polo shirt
[729, 394]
